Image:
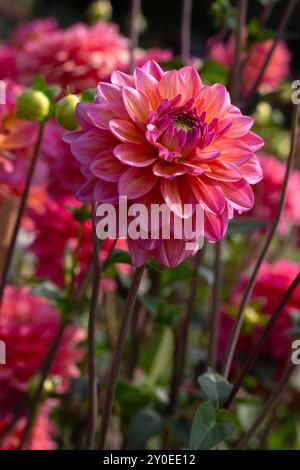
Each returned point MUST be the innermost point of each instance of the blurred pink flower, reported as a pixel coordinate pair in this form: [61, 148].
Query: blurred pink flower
[56, 228]
[28, 325]
[8, 62]
[273, 282]
[78, 56]
[163, 137]
[277, 70]
[267, 194]
[33, 31]
[41, 436]
[158, 55]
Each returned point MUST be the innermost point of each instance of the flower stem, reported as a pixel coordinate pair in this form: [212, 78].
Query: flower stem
[134, 31]
[236, 70]
[44, 371]
[216, 297]
[279, 35]
[240, 317]
[182, 337]
[116, 362]
[92, 362]
[268, 408]
[186, 23]
[261, 341]
[21, 210]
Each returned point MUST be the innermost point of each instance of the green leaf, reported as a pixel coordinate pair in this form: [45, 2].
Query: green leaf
[163, 357]
[52, 91]
[212, 72]
[48, 290]
[39, 84]
[145, 424]
[80, 213]
[209, 428]
[88, 95]
[244, 224]
[118, 256]
[214, 386]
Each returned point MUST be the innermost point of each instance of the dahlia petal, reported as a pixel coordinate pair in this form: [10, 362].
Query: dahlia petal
[138, 155]
[193, 167]
[252, 171]
[89, 143]
[171, 84]
[168, 170]
[176, 197]
[214, 100]
[172, 252]
[234, 151]
[109, 93]
[221, 171]
[192, 81]
[206, 154]
[208, 193]
[105, 192]
[82, 116]
[122, 79]
[253, 141]
[239, 125]
[215, 226]
[138, 255]
[239, 195]
[148, 85]
[126, 131]
[107, 167]
[151, 67]
[136, 104]
[136, 182]
[86, 192]
[101, 114]
[71, 136]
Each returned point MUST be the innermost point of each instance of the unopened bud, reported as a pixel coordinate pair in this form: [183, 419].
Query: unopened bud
[100, 10]
[33, 105]
[66, 112]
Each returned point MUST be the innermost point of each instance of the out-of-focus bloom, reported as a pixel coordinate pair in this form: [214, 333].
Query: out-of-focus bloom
[276, 71]
[158, 55]
[267, 194]
[33, 31]
[41, 436]
[163, 137]
[28, 325]
[77, 57]
[8, 62]
[56, 229]
[272, 284]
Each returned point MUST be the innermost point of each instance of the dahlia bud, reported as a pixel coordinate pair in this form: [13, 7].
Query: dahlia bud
[33, 105]
[100, 10]
[66, 112]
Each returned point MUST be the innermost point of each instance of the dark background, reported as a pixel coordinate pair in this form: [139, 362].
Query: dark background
[163, 17]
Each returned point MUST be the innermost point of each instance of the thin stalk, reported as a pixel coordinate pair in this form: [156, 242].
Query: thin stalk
[117, 357]
[186, 24]
[92, 361]
[134, 31]
[44, 371]
[216, 298]
[21, 210]
[236, 70]
[182, 337]
[240, 317]
[278, 37]
[268, 408]
[266, 13]
[261, 341]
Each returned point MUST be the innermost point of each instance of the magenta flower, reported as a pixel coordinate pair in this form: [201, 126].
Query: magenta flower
[79, 56]
[164, 137]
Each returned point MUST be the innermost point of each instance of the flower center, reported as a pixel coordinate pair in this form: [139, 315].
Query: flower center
[186, 121]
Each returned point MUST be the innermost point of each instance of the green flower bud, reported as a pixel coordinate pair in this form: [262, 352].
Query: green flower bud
[33, 105]
[100, 10]
[65, 112]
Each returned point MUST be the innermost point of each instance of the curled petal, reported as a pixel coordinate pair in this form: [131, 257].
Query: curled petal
[90, 143]
[86, 191]
[239, 195]
[137, 105]
[105, 192]
[171, 84]
[101, 114]
[208, 194]
[179, 199]
[126, 131]
[168, 170]
[221, 171]
[136, 182]
[253, 141]
[252, 171]
[109, 93]
[138, 155]
[122, 79]
[214, 100]
[148, 85]
[215, 226]
[192, 81]
[151, 67]
[107, 167]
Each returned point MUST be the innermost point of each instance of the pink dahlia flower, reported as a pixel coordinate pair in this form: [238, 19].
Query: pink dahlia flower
[267, 194]
[33, 31]
[56, 229]
[277, 70]
[78, 57]
[8, 62]
[163, 137]
[272, 284]
[28, 325]
[41, 436]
